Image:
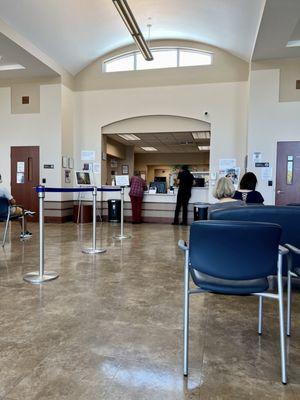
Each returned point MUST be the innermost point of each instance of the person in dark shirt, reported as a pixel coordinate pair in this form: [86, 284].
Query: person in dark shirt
[247, 191]
[186, 181]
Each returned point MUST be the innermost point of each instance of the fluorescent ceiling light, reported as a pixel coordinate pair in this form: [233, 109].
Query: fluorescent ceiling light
[9, 67]
[201, 135]
[293, 43]
[149, 148]
[133, 28]
[129, 137]
[203, 148]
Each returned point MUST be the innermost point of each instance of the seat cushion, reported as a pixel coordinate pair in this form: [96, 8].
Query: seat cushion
[225, 286]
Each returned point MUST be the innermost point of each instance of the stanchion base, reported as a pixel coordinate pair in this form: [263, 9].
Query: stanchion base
[121, 237]
[93, 251]
[35, 277]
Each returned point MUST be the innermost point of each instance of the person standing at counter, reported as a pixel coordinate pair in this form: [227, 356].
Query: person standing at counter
[186, 180]
[136, 193]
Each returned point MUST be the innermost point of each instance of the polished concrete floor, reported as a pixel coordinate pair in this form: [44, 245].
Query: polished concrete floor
[110, 327]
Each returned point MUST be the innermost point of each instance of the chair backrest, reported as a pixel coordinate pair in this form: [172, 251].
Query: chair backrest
[4, 204]
[286, 216]
[234, 250]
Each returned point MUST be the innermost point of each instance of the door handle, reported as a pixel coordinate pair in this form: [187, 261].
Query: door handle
[280, 191]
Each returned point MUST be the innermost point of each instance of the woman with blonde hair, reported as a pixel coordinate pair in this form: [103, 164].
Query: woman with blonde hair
[224, 192]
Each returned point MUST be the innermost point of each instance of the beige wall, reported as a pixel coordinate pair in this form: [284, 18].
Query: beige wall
[42, 129]
[67, 133]
[32, 90]
[270, 121]
[225, 68]
[289, 73]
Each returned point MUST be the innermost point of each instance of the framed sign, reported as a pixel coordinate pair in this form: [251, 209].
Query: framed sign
[125, 169]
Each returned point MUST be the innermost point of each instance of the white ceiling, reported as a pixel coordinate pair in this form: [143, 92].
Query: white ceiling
[76, 32]
[164, 142]
[14, 54]
[280, 24]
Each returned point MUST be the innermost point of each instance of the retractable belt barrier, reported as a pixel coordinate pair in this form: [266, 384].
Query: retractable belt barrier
[42, 275]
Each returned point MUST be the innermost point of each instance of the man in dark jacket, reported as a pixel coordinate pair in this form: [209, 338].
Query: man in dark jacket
[186, 181]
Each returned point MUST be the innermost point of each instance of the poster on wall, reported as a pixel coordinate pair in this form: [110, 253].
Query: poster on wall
[257, 157]
[67, 176]
[88, 155]
[266, 173]
[64, 161]
[227, 163]
[70, 163]
[232, 173]
[96, 168]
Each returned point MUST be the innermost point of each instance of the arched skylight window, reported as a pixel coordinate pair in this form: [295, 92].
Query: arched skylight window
[164, 57]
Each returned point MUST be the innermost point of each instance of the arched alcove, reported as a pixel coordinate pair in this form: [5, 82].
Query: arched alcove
[155, 126]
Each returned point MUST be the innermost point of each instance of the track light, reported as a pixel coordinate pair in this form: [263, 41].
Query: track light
[133, 28]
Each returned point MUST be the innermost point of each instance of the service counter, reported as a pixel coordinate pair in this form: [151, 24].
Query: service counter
[156, 207]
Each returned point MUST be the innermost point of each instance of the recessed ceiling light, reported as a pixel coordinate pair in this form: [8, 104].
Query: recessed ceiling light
[203, 148]
[129, 137]
[149, 148]
[9, 67]
[293, 43]
[201, 135]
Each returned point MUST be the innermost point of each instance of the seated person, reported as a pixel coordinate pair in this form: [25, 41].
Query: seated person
[16, 211]
[224, 192]
[247, 191]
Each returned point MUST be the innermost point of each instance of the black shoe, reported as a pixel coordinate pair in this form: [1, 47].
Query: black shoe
[184, 223]
[175, 223]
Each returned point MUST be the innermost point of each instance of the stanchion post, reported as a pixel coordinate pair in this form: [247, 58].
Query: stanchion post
[41, 276]
[122, 235]
[93, 249]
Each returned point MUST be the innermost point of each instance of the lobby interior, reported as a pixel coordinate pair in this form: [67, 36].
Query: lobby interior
[77, 95]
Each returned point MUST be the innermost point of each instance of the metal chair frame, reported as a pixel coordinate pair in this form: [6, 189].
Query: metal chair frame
[277, 296]
[8, 219]
[290, 274]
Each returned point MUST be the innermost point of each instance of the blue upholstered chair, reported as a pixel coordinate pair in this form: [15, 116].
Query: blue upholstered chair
[289, 219]
[5, 216]
[234, 258]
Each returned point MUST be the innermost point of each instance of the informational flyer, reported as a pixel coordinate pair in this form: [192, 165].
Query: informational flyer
[227, 163]
[88, 155]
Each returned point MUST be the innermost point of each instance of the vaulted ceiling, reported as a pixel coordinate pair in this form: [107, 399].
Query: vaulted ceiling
[76, 32]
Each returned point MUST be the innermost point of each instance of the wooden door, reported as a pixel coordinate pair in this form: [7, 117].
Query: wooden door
[288, 173]
[25, 175]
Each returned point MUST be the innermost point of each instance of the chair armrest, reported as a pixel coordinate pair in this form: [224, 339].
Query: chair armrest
[182, 245]
[282, 250]
[294, 249]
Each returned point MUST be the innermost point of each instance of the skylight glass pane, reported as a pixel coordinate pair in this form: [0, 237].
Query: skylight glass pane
[125, 63]
[189, 58]
[166, 58]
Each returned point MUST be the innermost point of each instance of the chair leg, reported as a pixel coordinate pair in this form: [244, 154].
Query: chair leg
[260, 314]
[282, 331]
[289, 296]
[5, 232]
[186, 317]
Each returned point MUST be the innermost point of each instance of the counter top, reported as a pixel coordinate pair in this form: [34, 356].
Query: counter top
[199, 194]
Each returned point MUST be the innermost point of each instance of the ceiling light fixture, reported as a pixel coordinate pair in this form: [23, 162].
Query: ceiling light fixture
[149, 148]
[201, 135]
[129, 136]
[204, 148]
[133, 28]
[9, 67]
